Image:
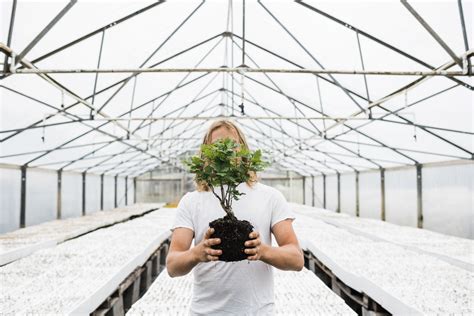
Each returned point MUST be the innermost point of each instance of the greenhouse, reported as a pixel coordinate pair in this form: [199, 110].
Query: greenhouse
[342, 131]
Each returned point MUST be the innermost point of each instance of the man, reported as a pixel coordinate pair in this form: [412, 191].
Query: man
[236, 288]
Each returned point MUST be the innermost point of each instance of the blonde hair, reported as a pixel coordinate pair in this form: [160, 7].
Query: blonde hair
[229, 125]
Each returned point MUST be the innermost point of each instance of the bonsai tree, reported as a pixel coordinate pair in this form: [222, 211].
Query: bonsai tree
[223, 165]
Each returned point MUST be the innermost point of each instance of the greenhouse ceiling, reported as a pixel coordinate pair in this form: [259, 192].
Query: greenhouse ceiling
[123, 87]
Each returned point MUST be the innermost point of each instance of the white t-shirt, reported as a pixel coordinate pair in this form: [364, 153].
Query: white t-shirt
[233, 288]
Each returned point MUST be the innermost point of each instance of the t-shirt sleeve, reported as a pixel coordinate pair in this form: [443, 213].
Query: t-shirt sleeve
[183, 216]
[281, 209]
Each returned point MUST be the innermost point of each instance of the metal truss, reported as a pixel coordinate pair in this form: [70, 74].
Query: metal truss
[140, 154]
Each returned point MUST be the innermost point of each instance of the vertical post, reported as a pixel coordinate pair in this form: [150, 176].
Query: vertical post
[382, 191]
[324, 191]
[134, 190]
[357, 194]
[23, 197]
[102, 192]
[59, 199]
[115, 191]
[338, 193]
[126, 190]
[304, 190]
[312, 190]
[84, 193]
[183, 184]
[419, 195]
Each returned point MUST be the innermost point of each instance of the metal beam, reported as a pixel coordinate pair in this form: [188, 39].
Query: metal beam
[377, 40]
[99, 30]
[324, 191]
[464, 34]
[122, 81]
[115, 191]
[44, 31]
[102, 192]
[59, 199]
[338, 210]
[10, 33]
[357, 194]
[134, 190]
[83, 193]
[304, 190]
[310, 55]
[126, 190]
[23, 197]
[152, 54]
[382, 191]
[419, 196]
[432, 32]
[434, 73]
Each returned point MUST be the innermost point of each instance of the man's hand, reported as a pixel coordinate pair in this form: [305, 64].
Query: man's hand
[203, 251]
[254, 246]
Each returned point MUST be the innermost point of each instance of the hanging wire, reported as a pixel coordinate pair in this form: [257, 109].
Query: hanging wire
[43, 136]
[232, 53]
[242, 77]
[358, 144]
[149, 125]
[131, 105]
[321, 105]
[414, 128]
[365, 77]
[62, 99]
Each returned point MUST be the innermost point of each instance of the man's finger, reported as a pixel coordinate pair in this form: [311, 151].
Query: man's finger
[251, 251]
[212, 258]
[209, 232]
[252, 243]
[213, 252]
[254, 235]
[213, 241]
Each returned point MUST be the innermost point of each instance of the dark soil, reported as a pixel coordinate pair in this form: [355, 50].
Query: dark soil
[233, 234]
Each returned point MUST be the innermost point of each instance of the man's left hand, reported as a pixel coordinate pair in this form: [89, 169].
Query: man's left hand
[254, 246]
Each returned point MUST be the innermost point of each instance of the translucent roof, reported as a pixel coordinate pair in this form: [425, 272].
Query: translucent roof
[322, 87]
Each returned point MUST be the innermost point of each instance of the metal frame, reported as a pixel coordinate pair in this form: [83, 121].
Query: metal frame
[299, 153]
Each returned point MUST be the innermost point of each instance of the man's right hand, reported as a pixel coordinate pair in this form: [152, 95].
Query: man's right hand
[203, 250]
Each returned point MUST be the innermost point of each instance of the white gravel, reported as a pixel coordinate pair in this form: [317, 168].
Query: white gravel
[23, 242]
[454, 250]
[296, 293]
[402, 280]
[77, 275]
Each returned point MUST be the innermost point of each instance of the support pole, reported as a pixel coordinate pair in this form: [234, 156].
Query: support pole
[102, 192]
[324, 191]
[357, 194]
[134, 190]
[304, 190]
[419, 195]
[59, 197]
[83, 193]
[115, 191]
[312, 190]
[23, 197]
[338, 192]
[126, 190]
[382, 191]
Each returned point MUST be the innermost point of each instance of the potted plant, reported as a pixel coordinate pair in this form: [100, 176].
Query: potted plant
[223, 165]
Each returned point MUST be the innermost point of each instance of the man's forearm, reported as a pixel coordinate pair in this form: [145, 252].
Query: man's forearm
[181, 263]
[288, 257]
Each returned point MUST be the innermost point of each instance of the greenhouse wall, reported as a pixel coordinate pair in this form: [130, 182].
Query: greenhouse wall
[446, 196]
[10, 188]
[42, 198]
[370, 197]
